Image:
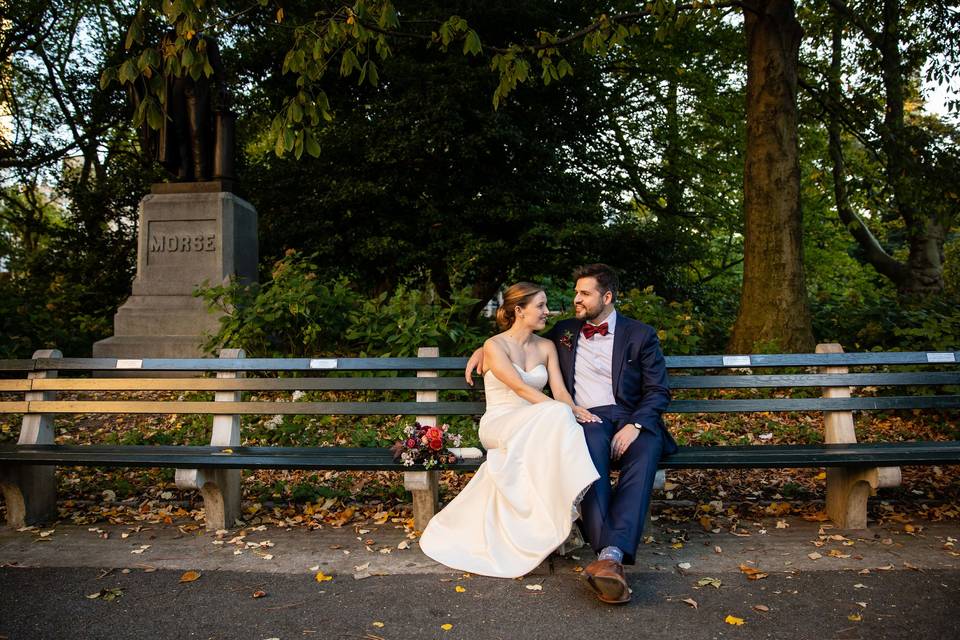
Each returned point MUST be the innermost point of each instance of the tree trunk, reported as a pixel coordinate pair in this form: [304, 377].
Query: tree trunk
[926, 233]
[774, 313]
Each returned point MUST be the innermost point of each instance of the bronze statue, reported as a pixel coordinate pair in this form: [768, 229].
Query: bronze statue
[195, 142]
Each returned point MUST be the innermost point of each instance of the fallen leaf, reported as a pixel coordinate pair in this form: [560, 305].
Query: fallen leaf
[854, 617]
[713, 582]
[404, 544]
[446, 627]
[752, 572]
[733, 620]
[717, 549]
[107, 594]
[534, 587]
[578, 569]
[859, 585]
[322, 577]
[814, 556]
[684, 565]
[189, 576]
[691, 602]
[259, 594]
[836, 553]
[761, 607]
[378, 625]
[888, 567]
[459, 589]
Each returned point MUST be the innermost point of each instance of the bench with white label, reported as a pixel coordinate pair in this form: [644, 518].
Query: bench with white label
[854, 470]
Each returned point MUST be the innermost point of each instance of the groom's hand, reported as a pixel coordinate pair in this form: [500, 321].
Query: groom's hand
[622, 440]
[475, 363]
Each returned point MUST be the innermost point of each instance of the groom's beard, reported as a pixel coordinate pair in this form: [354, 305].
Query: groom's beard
[582, 313]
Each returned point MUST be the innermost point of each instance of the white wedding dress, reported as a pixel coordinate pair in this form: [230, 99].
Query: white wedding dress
[521, 503]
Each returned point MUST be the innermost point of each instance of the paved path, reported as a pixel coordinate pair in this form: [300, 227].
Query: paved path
[891, 584]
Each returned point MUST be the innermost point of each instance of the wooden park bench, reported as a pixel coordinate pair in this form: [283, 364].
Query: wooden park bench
[854, 470]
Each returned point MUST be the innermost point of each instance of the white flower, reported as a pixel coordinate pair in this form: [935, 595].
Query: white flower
[298, 394]
[274, 422]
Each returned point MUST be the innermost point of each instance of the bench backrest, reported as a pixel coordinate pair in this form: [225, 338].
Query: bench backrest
[327, 374]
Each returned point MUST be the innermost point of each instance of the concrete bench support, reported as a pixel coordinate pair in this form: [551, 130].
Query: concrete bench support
[30, 491]
[424, 485]
[848, 488]
[220, 487]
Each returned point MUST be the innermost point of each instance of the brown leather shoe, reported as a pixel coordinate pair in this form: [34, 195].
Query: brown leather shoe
[606, 578]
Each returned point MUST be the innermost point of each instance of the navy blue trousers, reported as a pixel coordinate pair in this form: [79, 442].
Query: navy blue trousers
[614, 516]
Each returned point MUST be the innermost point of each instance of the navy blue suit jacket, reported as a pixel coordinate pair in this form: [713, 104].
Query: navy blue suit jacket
[639, 372]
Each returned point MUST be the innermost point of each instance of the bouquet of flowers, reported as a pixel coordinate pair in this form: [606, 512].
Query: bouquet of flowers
[426, 445]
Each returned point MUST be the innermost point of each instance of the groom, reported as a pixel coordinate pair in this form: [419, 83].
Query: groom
[613, 365]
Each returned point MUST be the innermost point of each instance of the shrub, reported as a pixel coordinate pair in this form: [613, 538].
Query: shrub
[295, 314]
[678, 326]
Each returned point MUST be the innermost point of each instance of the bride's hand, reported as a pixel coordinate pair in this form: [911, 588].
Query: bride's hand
[584, 415]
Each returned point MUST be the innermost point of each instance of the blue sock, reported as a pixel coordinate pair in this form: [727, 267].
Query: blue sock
[611, 553]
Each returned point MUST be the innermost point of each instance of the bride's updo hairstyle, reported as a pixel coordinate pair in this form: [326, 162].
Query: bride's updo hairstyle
[517, 295]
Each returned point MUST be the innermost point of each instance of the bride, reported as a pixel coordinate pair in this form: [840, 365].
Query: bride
[522, 501]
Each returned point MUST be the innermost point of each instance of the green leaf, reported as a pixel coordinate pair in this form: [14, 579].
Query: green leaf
[128, 71]
[154, 116]
[312, 146]
[348, 63]
[372, 74]
[472, 43]
[295, 112]
[109, 75]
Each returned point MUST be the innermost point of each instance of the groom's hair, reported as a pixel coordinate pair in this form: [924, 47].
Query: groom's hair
[605, 276]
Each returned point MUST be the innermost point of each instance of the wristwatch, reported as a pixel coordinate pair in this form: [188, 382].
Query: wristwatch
[638, 426]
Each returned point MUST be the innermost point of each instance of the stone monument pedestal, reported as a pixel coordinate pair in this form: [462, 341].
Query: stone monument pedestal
[189, 234]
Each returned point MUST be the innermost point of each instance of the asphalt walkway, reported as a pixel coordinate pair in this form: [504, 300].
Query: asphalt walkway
[372, 582]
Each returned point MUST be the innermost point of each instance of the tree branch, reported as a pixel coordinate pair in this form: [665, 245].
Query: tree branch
[875, 254]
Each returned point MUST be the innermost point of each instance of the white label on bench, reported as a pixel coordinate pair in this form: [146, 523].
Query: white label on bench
[941, 357]
[323, 363]
[129, 364]
[736, 361]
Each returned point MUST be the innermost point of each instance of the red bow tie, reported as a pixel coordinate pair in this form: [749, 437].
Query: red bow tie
[590, 329]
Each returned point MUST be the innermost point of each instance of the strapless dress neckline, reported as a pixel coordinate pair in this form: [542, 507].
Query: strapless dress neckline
[519, 368]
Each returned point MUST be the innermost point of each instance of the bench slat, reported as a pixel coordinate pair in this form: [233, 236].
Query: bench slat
[248, 384]
[807, 360]
[336, 458]
[813, 404]
[461, 408]
[15, 385]
[823, 455]
[250, 408]
[931, 378]
[457, 364]
[457, 383]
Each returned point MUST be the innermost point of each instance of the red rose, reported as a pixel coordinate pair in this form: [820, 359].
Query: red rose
[434, 434]
[436, 445]
[411, 443]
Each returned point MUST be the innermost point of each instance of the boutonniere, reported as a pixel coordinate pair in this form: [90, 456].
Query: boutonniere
[567, 340]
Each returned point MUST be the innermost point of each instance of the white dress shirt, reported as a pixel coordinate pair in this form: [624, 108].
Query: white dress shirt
[593, 372]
